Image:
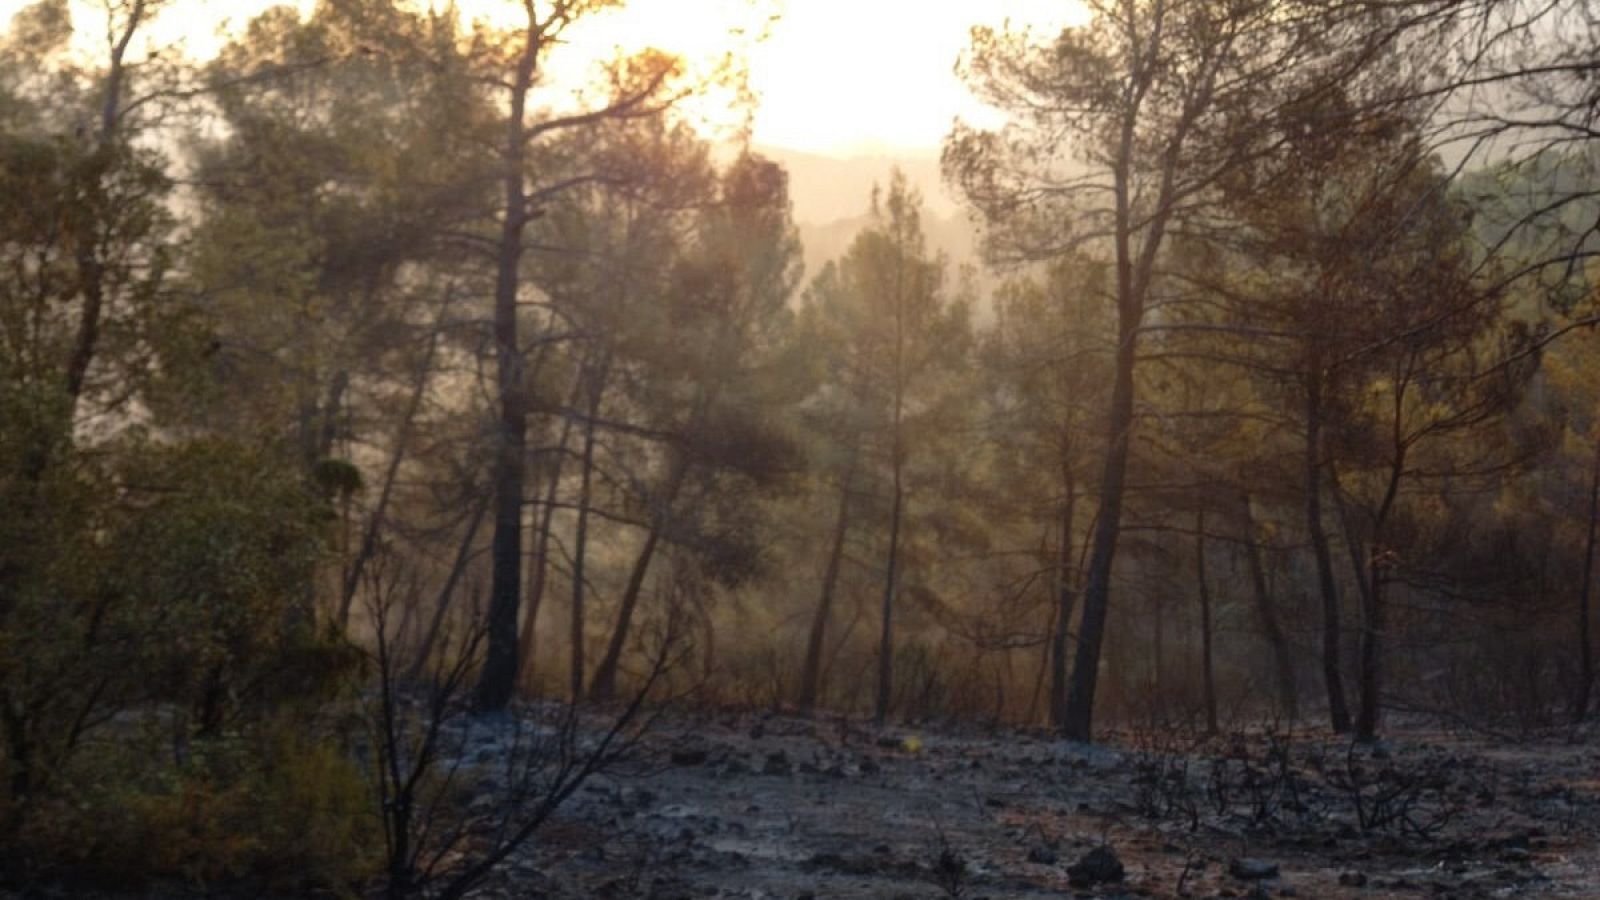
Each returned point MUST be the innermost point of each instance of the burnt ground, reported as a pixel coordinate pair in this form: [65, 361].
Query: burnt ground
[774, 807]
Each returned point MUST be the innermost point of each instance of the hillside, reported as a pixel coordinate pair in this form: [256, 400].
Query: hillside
[831, 197]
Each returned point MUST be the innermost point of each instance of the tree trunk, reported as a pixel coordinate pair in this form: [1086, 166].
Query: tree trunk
[539, 566]
[1042, 672]
[1362, 559]
[369, 537]
[1338, 709]
[447, 592]
[1373, 611]
[811, 670]
[1158, 657]
[603, 687]
[327, 433]
[1078, 720]
[1372, 626]
[1580, 707]
[1266, 608]
[1207, 669]
[499, 676]
[580, 549]
[1133, 278]
[90, 267]
[1066, 598]
[886, 637]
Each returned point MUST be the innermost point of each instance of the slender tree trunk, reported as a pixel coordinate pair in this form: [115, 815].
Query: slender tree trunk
[1134, 272]
[369, 537]
[897, 461]
[1207, 663]
[1079, 717]
[327, 432]
[1371, 649]
[1066, 598]
[1580, 710]
[539, 566]
[580, 549]
[1267, 610]
[441, 606]
[499, 675]
[1338, 709]
[811, 670]
[1042, 672]
[886, 636]
[603, 687]
[1373, 624]
[90, 267]
[1373, 607]
[1158, 656]
[19, 751]
[708, 645]
[1362, 559]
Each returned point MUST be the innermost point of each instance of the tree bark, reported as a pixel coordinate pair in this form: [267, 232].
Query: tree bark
[1133, 277]
[1078, 719]
[499, 676]
[1372, 626]
[1333, 681]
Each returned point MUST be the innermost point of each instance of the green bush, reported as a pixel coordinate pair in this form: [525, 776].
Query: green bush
[162, 670]
[276, 811]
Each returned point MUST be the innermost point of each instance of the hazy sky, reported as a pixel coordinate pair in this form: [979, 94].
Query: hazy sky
[855, 75]
[841, 77]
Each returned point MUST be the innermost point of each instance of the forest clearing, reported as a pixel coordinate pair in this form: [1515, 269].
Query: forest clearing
[757, 805]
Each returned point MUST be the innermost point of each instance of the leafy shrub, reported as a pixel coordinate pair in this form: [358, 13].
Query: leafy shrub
[278, 810]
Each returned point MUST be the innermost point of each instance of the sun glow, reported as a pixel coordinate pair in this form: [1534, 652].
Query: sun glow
[836, 77]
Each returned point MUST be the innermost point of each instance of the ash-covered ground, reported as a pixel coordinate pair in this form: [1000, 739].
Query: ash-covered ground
[745, 806]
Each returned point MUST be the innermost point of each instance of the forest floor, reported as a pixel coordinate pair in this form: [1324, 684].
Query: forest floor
[775, 807]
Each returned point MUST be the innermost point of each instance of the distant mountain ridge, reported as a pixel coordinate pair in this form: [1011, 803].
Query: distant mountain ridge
[826, 188]
[953, 236]
[832, 198]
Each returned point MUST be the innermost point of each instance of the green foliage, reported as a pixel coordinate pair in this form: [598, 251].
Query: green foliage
[215, 569]
[83, 226]
[155, 600]
[276, 807]
[337, 478]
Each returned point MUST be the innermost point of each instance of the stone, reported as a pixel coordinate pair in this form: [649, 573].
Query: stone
[1252, 869]
[1042, 854]
[777, 764]
[1098, 866]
